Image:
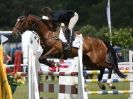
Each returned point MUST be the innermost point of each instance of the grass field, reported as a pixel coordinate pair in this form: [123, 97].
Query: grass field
[22, 92]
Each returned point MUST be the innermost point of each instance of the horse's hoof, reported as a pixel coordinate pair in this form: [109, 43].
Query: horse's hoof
[113, 87]
[103, 87]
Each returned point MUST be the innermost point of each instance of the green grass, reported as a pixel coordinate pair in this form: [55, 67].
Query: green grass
[22, 92]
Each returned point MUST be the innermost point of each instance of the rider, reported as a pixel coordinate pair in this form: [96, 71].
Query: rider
[62, 16]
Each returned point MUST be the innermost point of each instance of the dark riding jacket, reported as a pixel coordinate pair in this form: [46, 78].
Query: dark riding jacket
[62, 15]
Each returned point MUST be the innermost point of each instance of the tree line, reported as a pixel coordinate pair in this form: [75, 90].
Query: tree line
[91, 12]
[92, 15]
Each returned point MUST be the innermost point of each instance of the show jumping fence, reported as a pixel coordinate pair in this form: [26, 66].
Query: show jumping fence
[62, 88]
[130, 76]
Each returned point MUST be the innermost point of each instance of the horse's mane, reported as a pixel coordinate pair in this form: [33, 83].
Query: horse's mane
[36, 16]
[39, 18]
[51, 25]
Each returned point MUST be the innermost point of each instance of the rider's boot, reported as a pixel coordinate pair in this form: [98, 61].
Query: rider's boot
[68, 45]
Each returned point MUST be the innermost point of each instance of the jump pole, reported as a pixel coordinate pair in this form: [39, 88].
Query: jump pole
[130, 74]
[32, 76]
[81, 91]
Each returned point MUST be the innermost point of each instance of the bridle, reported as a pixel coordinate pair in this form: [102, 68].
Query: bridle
[31, 24]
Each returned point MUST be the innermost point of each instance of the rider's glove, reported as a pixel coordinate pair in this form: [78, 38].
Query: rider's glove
[45, 18]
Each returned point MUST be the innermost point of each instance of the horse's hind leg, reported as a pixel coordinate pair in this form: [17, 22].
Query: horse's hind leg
[53, 78]
[46, 78]
[109, 79]
[100, 76]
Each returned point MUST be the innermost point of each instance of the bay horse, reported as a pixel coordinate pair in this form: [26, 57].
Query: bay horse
[97, 54]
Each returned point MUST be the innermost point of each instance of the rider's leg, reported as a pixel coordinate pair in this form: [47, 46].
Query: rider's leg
[71, 25]
[61, 34]
[67, 45]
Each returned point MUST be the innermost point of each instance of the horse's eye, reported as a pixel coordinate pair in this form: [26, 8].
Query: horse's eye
[22, 19]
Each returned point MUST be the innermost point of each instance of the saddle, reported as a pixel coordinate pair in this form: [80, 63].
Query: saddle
[74, 43]
[68, 40]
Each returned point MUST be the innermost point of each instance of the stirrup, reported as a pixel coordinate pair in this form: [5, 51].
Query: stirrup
[67, 46]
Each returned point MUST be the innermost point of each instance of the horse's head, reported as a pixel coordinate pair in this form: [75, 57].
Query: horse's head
[20, 26]
[23, 23]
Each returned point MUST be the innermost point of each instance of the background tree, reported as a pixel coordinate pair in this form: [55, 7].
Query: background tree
[91, 12]
[92, 16]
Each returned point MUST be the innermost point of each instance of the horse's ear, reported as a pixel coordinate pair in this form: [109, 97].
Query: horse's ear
[25, 12]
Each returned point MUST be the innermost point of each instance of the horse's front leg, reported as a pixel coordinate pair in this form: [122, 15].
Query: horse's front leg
[109, 79]
[43, 58]
[51, 52]
[100, 76]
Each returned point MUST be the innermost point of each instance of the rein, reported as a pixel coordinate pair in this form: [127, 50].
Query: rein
[33, 26]
[35, 34]
[53, 36]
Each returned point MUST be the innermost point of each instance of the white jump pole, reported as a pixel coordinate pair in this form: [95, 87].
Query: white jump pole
[68, 80]
[130, 74]
[32, 51]
[32, 76]
[81, 91]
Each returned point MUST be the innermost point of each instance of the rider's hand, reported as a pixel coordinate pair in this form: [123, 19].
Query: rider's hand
[45, 17]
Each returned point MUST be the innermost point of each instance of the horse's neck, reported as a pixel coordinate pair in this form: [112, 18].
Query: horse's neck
[52, 34]
[41, 29]
[51, 26]
[45, 32]
[57, 32]
[54, 27]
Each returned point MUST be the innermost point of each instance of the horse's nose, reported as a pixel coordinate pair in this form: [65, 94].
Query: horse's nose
[14, 31]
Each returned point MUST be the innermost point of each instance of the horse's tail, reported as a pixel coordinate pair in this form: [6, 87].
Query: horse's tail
[120, 74]
[113, 59]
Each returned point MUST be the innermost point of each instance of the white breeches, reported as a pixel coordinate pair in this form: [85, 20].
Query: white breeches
[73, 21]
[61, 35]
